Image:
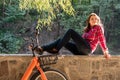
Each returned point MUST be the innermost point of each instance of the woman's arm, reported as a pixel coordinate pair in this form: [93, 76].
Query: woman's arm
[102, 41]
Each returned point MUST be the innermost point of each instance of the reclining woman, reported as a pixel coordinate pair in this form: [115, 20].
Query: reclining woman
[81, 45]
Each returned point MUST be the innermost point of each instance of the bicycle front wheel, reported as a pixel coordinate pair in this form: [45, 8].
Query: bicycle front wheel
[51, 74]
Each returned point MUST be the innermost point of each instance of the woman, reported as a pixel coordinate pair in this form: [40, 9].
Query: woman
[81, 45]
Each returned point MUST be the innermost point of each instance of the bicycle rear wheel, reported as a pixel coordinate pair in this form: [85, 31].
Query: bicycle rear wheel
[51, 74]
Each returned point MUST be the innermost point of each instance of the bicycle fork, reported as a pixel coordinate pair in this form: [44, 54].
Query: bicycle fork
[34, 63]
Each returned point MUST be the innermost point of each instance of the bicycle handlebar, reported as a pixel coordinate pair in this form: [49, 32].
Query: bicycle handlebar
[44, 59]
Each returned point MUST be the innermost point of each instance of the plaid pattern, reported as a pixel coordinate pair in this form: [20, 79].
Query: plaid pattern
[95, 36]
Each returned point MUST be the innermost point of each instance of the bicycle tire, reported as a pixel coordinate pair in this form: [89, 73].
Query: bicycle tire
[51, 74]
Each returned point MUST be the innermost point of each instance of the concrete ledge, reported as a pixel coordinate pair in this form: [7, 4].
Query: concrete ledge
[12, 67]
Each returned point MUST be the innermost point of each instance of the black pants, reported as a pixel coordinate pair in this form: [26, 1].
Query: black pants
[79, 46]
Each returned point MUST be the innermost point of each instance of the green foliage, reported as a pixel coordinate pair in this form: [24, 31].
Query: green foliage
[9, 43]
[73, 23]
[77, 22]
[47, 9]
[13, 13]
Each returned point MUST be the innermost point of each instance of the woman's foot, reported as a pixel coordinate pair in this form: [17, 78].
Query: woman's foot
[36, 49]
[55, 50]
[52, 50]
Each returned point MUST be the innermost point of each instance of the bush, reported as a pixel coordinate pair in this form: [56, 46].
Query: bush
[9, 43]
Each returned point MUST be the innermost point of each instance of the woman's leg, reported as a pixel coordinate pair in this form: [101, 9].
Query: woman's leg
[72, 47]
[79, 47]
[50, 47]
[80, 43]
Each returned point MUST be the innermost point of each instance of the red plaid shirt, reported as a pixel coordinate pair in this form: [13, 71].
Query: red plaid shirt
[95, 36]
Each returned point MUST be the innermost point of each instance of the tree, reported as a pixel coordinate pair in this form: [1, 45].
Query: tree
[47, 9]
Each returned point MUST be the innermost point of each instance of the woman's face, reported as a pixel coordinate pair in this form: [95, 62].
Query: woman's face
[93, 20]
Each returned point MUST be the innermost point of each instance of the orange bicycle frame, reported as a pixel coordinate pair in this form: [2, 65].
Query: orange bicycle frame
[34, 63]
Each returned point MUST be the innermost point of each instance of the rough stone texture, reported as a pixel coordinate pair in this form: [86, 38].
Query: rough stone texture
[12, 67]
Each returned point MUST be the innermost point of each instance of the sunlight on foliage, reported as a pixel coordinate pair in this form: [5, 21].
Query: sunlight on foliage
[47, 9]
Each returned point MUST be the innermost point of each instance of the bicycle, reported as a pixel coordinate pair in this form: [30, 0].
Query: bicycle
[42, 72]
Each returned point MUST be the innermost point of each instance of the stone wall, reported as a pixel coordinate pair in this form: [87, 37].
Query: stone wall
[13, 66]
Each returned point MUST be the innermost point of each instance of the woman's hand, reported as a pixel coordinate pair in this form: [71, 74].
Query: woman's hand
[107, 55]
